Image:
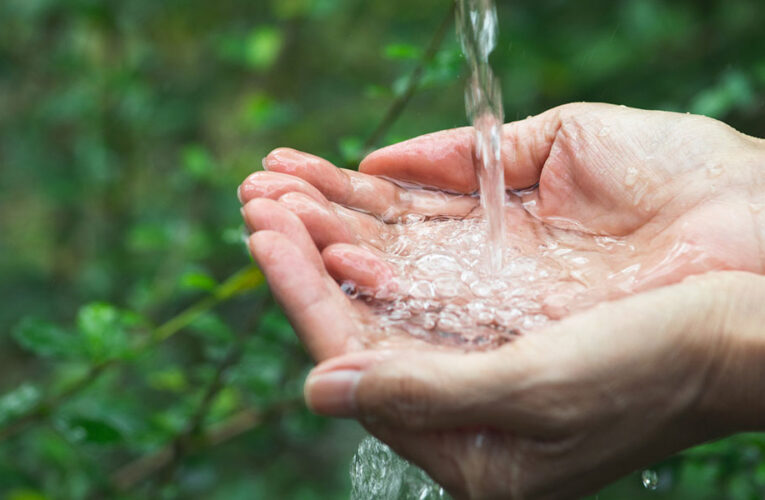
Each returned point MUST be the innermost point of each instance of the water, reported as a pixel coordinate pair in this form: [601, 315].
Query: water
[477, 30]
[443, 294]
[650, 479]
[487, 308]
[378, 473]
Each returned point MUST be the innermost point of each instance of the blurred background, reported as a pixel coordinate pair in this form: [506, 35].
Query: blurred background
[141, 355]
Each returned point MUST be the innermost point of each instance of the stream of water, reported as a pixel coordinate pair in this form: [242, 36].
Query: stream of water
[377, 472]
[477, 29]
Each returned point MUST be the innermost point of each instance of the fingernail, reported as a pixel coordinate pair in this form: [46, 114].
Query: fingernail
[244, 217]
[239, 193]
[332, 393]
[357, 361]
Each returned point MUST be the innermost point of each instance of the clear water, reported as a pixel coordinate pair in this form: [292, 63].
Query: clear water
[378, 473]
[443, 294]
[650, 479]
[477, 29]
[457, 271]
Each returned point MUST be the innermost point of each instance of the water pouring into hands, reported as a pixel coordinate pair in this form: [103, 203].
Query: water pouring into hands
[627, 201]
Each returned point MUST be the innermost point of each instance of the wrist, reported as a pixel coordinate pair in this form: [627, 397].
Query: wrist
[734, 400]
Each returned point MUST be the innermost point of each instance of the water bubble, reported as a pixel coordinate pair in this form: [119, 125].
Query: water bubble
[714, 170]
[350, 289]
[412, 218]
[650, 479]
[631, 178]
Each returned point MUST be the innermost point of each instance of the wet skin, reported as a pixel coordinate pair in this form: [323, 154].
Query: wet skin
[685, 191]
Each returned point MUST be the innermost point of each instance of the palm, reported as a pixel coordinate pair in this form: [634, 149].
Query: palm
[619, 208]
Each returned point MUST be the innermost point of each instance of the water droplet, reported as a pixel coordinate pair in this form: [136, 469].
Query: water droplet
[650, 479]
[350, 289]
[714, 170]
[631, 178]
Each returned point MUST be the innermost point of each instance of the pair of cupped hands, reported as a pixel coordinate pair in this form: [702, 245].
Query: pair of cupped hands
[563, 410]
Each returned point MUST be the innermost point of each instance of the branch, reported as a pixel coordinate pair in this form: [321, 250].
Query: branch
[181, 443]
[397, 106]
[240, 282]
[142, 468]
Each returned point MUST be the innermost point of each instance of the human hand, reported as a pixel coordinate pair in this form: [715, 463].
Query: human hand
[562, 412]
[605, 170]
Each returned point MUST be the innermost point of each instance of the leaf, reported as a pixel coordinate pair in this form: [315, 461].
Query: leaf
[25, 494]
[170, 379]
[733, 92]
[18, 402]
[45, 339]
[212, 328]
[263, 47]
[197, 280]
[351, 149]
[402, 51]
[197, 162]
[94, 431]
[102, 328]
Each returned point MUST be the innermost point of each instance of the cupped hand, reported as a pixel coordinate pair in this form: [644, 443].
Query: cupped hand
[626, 200]
[668, 195]
[563, 412]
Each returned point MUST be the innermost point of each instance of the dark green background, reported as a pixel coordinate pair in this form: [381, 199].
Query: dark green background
[125, 127]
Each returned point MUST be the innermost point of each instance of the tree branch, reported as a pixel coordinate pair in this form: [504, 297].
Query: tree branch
[142, 468]
[399, 104]
[240, 282]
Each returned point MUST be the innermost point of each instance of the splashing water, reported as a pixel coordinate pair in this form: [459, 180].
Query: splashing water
[477, 30]
[378, 473]
[650, 479]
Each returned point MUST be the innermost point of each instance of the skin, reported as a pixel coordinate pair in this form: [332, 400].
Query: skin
[568, 409]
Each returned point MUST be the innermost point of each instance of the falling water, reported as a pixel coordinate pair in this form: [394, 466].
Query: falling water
[477, 30]
[376, 471]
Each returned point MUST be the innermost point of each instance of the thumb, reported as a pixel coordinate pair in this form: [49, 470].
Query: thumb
[423, 390]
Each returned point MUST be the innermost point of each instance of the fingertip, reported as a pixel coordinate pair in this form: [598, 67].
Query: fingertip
[266, 215]
[332, 393]
[347, 262]
[282, 159]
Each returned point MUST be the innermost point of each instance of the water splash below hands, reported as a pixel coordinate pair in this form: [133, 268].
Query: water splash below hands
[378, 473]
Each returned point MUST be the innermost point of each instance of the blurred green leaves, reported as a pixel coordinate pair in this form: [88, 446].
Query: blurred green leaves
[44, 339]
[18, 401]
[125, 128]
[103, 331]
[257, 49]
[88, 430]
[733, 92]
[262, 47]
[102, 334]
[402, 51]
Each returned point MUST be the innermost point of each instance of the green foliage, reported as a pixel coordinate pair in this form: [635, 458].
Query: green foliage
[18, 402]
[146, 359]
[101, 335]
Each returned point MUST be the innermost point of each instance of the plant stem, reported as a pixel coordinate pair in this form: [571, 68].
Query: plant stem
[240, 282]
[397, 106]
